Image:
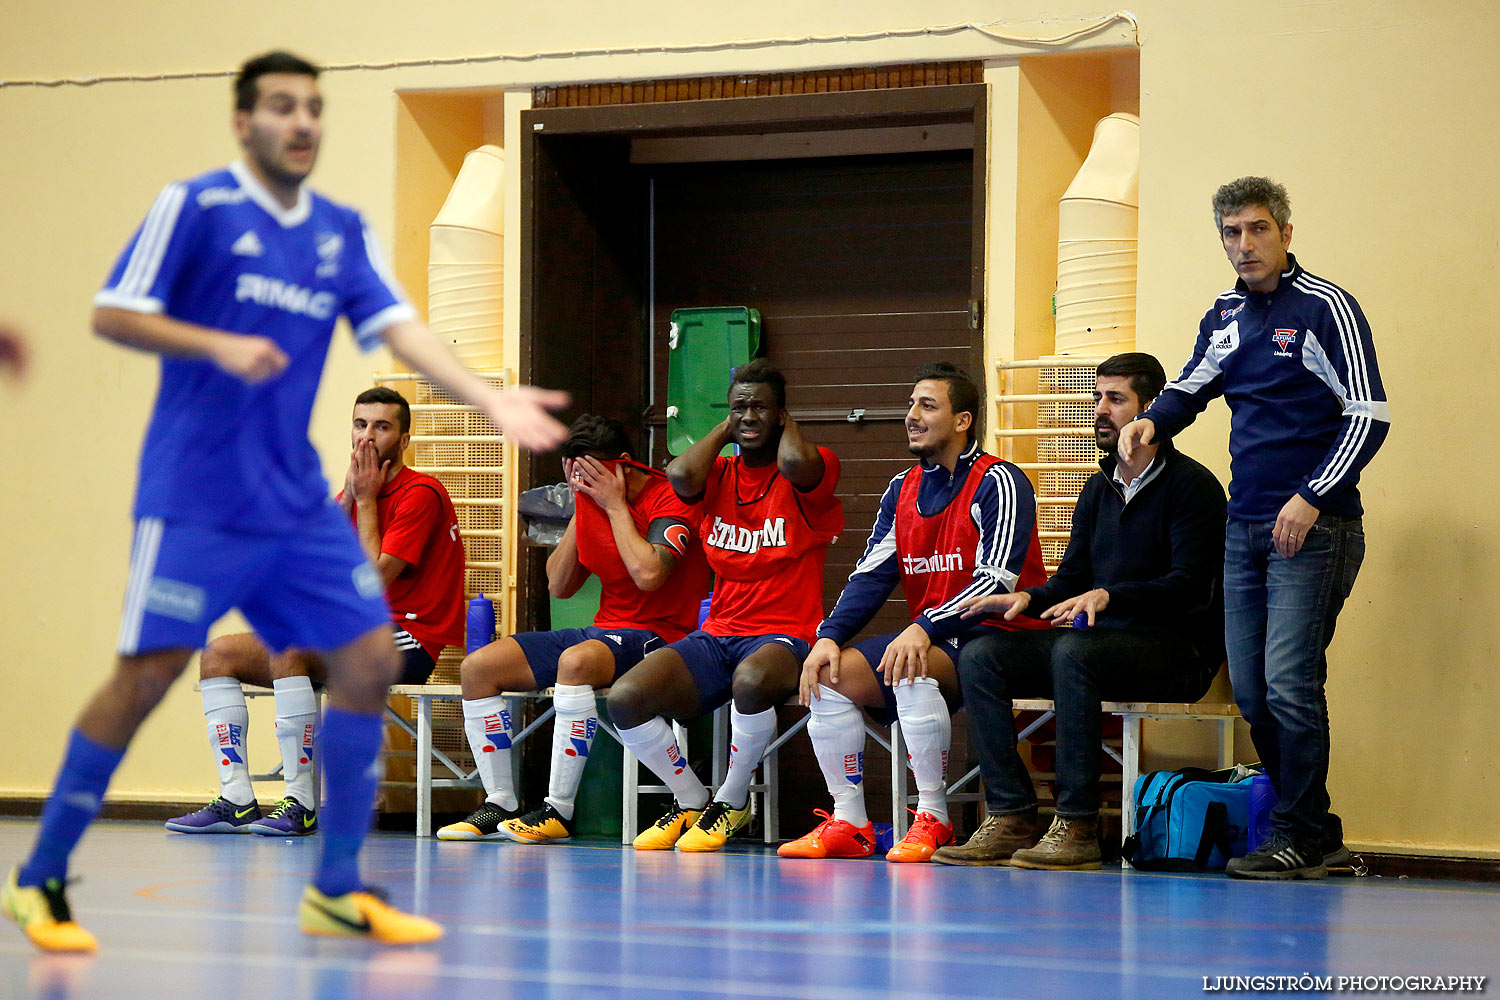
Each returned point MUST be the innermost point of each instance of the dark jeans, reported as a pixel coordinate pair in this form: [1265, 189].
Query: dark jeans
[1279, 616]
[1077, 669]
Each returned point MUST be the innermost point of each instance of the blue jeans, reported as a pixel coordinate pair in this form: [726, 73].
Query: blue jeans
[1279, 615]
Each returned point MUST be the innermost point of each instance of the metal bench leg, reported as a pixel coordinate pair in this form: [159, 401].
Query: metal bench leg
[1130, 769]
[424, 766]
[630, 797]
[899, 796]
[1226, 743]
[770, 774]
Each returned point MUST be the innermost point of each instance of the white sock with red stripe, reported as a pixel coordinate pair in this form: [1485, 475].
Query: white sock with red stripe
[296, 725]
[749, 735]
[228, 717]
[655, 746]
[487, 725]
[928, 729]
[573, 729]
[838, 739]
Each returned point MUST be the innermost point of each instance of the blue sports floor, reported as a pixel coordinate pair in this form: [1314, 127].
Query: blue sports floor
[213, 918]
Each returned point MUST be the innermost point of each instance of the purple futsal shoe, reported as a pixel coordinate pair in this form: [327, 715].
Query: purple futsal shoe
[290, 818]
[219, 816]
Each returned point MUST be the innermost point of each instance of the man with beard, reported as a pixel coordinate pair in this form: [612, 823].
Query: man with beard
[237, 279]
[408, 529]
[769, 515]
[1140, 583]
[955, 527]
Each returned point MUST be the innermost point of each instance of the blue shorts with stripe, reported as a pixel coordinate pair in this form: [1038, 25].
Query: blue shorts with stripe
[873, 649]
[544, 649]
[712, 659]
[310, 586]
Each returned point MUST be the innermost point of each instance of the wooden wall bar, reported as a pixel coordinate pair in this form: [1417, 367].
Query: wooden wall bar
[759, 85]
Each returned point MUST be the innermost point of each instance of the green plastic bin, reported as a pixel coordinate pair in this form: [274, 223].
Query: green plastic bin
[705, 345]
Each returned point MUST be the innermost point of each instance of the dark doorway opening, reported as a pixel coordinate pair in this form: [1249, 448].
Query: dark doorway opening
[863, 266]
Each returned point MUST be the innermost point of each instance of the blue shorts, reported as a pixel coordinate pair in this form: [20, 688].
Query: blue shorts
[711, 660]
[310, 586]
[543, 649]
[873, 649]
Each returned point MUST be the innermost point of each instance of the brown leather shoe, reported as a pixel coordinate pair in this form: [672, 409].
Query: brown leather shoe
[1069, 845]
[997, 838]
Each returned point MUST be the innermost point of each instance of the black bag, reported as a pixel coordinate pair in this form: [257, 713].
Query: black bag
[1190, 820]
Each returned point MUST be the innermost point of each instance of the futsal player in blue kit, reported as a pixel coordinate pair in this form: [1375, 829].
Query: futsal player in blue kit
[236, 279]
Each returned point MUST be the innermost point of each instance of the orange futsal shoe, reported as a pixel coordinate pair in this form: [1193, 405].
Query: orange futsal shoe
[926, 835]
[833, 838]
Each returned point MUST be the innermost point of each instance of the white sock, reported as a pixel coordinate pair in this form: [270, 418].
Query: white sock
[228, 718]
[928, 729]
[573, 729]
[654, 745]
[749, 735]
[487, 725]
[838, 739]
[296, 725]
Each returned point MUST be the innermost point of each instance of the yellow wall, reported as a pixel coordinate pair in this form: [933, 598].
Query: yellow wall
[1371, 112]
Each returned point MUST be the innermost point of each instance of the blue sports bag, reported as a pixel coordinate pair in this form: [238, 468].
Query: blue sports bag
[1190, 820]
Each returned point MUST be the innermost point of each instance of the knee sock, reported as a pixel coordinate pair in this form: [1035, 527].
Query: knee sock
[76, 797]
[350, 752]
[228, 719]
[573, 731]
[296, 726]
[838, 739]
[487, 725]
[928, 729]
[749, 735]
[654, 745]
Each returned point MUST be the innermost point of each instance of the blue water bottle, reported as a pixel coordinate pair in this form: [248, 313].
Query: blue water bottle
[1262, 801]
[479, 630]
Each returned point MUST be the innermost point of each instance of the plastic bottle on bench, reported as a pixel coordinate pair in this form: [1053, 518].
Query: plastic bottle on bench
[479, 629]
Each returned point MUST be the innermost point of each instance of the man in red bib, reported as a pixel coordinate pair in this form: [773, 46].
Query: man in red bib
[631, 531]
[769, 515]
[958, 525]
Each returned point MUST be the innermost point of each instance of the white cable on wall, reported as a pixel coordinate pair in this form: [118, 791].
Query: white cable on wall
[988, 29]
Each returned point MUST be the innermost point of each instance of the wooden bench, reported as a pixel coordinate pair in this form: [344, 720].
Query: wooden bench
[631, 789]
[1217, 706]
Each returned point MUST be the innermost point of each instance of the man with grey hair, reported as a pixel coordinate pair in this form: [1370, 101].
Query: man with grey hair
[1291, 354]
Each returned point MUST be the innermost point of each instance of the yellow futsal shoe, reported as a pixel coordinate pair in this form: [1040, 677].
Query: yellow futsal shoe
[718, 823]
[540, 826]
[664, 833]
[42, 912]
[363, 914]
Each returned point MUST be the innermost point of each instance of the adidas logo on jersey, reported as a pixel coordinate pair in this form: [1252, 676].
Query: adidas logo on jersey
[278, 294]
[733, 538]
[938, 562]
[247, 245]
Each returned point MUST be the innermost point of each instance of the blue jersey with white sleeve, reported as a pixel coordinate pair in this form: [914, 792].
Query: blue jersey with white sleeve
[219, 251]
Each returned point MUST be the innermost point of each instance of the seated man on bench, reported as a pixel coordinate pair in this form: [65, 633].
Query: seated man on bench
[407, 527]
[629, 529]
[1141, 582]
